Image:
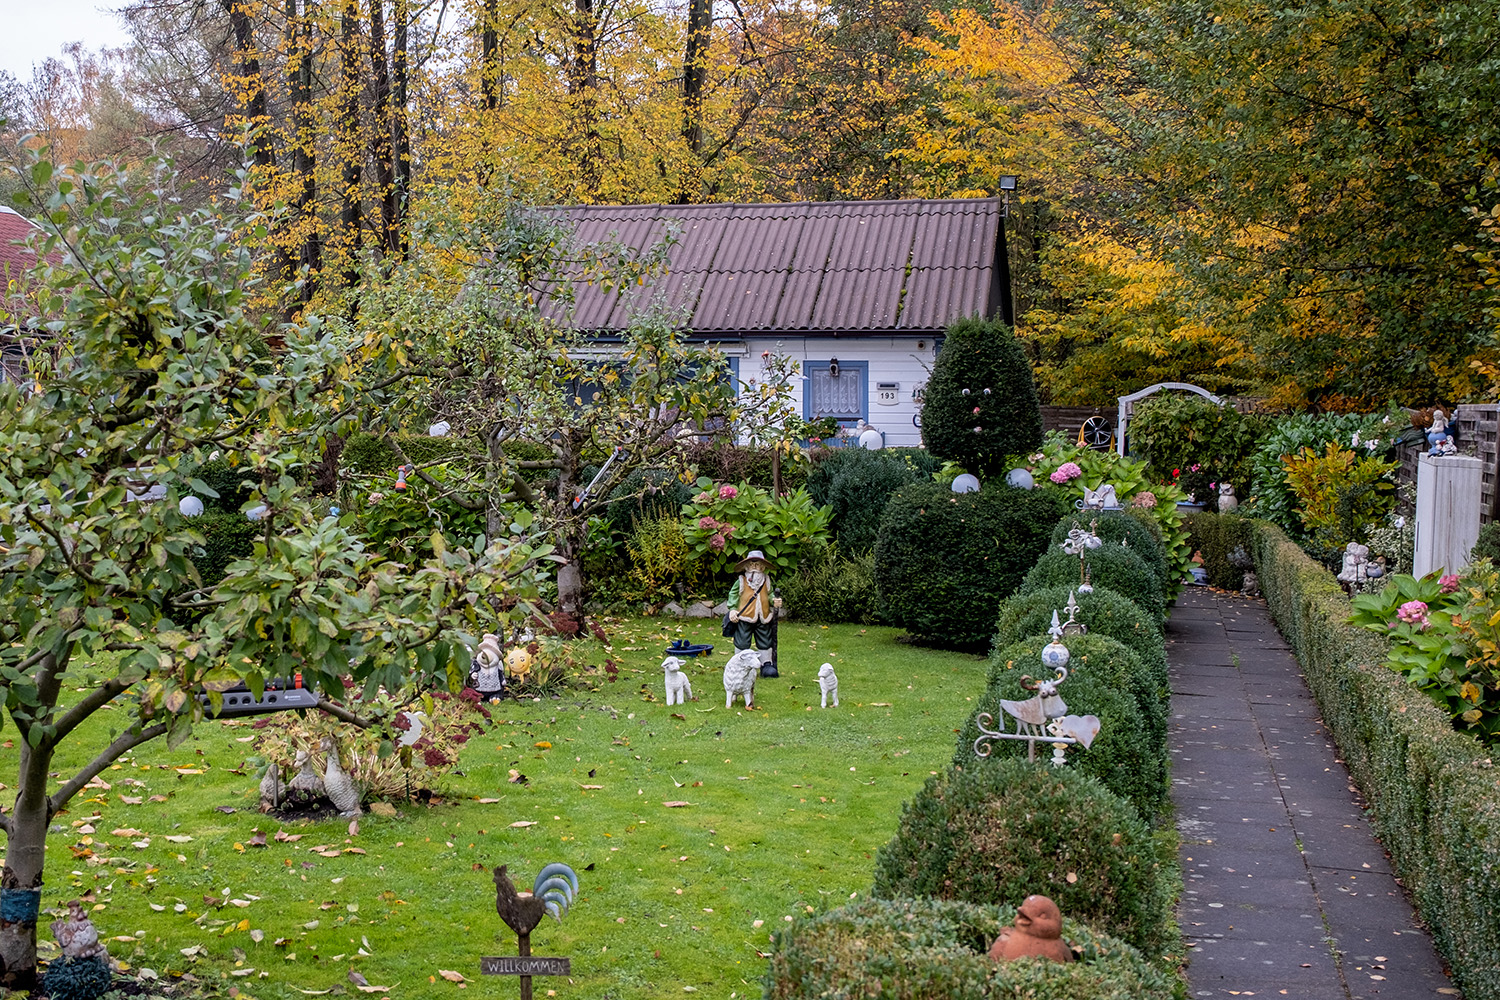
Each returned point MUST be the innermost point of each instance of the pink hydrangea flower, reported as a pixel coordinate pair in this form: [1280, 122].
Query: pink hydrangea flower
[707, 523]
[1449, 583]
[1414, 613]
[1065, 472]
[717, 543]
[727, 492]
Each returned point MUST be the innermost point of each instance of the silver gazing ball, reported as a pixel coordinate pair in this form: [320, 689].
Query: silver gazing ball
[1055, 655]
[1020, 479]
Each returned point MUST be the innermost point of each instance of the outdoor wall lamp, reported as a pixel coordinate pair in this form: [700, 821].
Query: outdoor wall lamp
[1007, 185]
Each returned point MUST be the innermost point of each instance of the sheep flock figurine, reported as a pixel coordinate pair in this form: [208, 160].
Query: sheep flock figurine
[679, 688]
[739, 676]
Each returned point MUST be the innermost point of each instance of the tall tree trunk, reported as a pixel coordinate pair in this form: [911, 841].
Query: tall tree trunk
[253, 107]
[380, 133]
[489, 69]
[304, 156]
[583, 87]
[26, 836]
[351, 219]
[400, 134]
[694, 75]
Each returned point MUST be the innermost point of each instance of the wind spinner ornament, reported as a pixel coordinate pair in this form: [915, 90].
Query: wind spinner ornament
[1043, 717]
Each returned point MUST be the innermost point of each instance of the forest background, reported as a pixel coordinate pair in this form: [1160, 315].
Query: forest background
[1297, 203]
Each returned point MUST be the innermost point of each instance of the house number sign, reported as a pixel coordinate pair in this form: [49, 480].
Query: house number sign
[887, 393]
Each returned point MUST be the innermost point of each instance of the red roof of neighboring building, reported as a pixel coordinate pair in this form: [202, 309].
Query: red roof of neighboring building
[811, 268]
[16, 259]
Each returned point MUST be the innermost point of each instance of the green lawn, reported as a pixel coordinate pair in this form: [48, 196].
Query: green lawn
[787, 805]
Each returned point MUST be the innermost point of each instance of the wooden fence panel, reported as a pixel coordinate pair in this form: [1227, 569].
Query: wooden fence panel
[1478, 435]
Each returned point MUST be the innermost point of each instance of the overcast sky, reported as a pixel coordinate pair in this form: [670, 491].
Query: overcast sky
[36, 29]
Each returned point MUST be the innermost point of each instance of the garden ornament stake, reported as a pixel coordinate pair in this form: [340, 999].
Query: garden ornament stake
[553, 892]
[1078, 543]
[1072, 626]
[1042, 718]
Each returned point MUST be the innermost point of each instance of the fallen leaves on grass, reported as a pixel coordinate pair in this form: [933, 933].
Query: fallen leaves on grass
[522, 823]
[451, 976]
[676, 804]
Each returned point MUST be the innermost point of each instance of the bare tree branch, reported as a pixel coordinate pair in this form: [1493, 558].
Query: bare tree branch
[125, 741]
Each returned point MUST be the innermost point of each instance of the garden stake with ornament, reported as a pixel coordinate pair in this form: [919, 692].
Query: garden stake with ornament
[553, 892]
[1042, 718]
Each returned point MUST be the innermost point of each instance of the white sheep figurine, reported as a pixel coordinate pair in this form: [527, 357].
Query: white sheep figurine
[679, 689]
[739, 676]
[829, 682]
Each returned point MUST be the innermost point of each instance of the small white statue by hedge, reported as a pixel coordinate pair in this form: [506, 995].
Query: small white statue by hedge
[679, 689]
[829, 682]
[739, 676]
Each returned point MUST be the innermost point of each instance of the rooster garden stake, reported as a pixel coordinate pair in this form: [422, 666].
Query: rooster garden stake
[553, 892]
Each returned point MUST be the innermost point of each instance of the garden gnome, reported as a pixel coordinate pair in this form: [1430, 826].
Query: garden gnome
[1037, 934]
[489, 680]
[753, 607]
[1438, 436]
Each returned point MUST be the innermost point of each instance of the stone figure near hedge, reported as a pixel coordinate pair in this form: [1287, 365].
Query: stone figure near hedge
[1037, 934]
[753, 606]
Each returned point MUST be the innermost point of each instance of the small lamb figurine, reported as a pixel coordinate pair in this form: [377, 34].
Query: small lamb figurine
[679, 689]
[829, 682]
[739, 676]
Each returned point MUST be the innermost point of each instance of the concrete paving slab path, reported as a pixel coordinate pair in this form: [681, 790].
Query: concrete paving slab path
[1287, 891]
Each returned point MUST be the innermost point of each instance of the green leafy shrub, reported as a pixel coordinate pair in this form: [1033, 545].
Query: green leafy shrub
[1120, 528]
[998, 833]
[646, 495]
[1431, 790]
[981, 380]
[1125, 756]
[1104, 612]
[944, 561]
[660, 559]
[724, 522]
[828, 587]
[930, 949]
[1140, 496]
[1270, 495]
[227, 537]
[1179, 432]
[855, 485]
[1110, 565]
[724, 462]
[1341, 495]
[400, 524]
[1487, 545]
[373, 454]
[1224, 542]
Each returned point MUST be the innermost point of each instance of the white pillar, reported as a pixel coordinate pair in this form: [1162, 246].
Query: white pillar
[1447, 512]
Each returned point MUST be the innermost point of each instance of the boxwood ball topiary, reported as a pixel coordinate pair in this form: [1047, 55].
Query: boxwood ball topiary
[945, 560]
[69, 978]
[1110, 565]
[1124, 756]
[856, 484]
[1122, 529]
[980, 404]
[1104, 612]
[930, 949]
[999, 833]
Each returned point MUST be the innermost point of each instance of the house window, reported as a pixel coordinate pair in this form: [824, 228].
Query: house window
[844, 396]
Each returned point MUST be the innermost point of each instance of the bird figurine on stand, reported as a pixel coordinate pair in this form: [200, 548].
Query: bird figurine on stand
[342, 791]
[82, 972]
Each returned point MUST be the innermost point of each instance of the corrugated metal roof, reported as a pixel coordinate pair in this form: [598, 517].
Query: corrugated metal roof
[804, 267]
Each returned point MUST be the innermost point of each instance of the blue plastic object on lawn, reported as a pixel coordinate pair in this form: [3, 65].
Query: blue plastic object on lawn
[681, 647]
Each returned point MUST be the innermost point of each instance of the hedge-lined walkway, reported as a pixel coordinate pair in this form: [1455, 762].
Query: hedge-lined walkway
[1288, 893]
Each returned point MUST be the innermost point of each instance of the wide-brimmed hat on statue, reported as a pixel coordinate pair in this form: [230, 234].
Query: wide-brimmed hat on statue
[754, 555]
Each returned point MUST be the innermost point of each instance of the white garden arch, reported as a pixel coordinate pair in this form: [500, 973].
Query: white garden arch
[1127, 406]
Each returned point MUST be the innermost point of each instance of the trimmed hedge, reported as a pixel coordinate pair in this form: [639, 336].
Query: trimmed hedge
[1216, 537]
[227, 537]
[830, 588]
[928, 949]
[1124, 757]
[233, 484]
[1104, 612]
[1110, 565]
[944, 561]
[856, 484]
[1120, 528]
[647, 495]
[997, 834]
[980, 405]
[1432, 791]
[373, 455]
